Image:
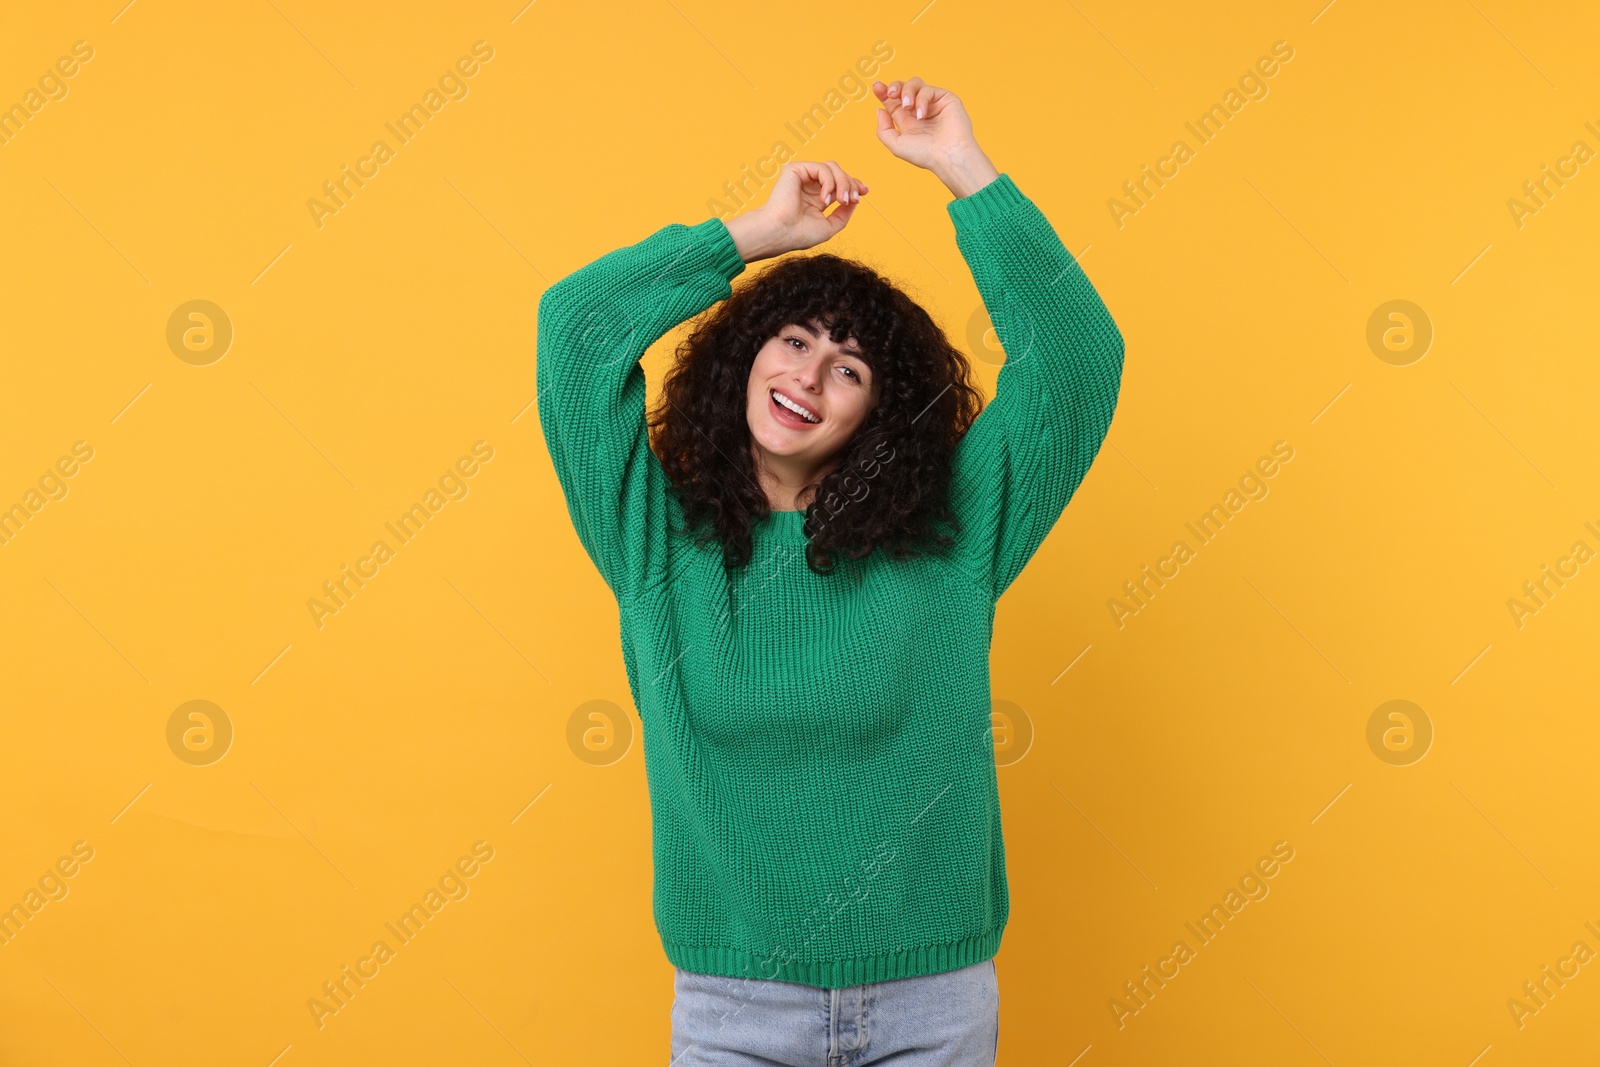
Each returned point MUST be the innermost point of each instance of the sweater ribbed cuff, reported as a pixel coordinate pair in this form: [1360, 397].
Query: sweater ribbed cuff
[720, 247]
[990, 202]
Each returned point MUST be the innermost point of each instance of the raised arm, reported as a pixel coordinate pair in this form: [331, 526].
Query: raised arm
[1022, 460]
[594, 326]
[1025, 455]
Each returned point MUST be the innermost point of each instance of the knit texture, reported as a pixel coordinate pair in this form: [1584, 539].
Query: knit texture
[818, 750]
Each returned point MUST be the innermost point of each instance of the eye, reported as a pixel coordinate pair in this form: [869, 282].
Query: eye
[852, 372]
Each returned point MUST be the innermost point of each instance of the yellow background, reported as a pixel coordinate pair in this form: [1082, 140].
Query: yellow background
[433, 710]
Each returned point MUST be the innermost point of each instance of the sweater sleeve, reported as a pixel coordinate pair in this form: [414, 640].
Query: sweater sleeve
[1024, 456]
[594, 326]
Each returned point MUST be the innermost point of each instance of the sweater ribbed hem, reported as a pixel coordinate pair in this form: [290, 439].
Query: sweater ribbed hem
[988, 203]
[724, 253]
[834, 974]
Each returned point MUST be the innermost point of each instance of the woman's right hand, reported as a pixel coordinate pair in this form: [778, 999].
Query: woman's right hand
[792, 218]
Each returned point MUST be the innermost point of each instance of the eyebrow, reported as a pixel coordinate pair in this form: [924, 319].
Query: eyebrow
[856, 352]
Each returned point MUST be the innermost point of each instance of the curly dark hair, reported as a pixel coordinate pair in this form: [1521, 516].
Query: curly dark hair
[889, 487]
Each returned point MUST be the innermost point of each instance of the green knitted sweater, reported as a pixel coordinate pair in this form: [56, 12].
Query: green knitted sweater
[818, 750]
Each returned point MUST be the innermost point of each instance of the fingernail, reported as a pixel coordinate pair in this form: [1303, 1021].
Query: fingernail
[919, 112]
[827, 198]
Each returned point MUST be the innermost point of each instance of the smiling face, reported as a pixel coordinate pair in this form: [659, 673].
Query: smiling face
[802, 367]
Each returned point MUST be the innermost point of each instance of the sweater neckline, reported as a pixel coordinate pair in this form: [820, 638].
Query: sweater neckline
[786, 525]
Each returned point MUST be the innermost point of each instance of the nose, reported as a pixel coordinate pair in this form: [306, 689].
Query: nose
[809, 374]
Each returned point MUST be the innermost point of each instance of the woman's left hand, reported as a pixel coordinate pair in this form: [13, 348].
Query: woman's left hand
[928, 126]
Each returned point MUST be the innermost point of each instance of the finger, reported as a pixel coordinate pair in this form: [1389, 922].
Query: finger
[841, 216]
[857, 187]
[804, 178]
[894, 95]
[886, 131]
[924, 100]
[880, 90]
[841, 182]
[819, 181]
[791, 181]
[829, 174]
[801, 170]
[908, 92]
[824, 186]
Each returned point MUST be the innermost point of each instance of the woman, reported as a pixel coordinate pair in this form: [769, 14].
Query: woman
[829, 870]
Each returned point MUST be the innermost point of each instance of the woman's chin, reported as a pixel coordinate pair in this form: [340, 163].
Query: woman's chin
[774, 442]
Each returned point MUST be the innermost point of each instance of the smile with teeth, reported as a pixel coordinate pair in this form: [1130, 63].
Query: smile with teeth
[800, 412]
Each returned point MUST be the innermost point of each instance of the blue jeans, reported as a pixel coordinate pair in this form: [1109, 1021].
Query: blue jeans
[950, 1019]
